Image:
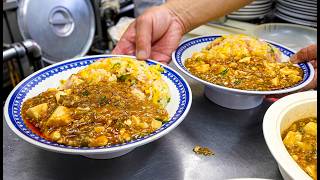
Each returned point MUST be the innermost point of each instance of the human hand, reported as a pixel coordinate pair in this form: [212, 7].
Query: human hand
[155, 34]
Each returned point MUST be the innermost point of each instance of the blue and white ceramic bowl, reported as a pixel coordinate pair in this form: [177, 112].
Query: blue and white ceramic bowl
[49, 77]
[230, 97]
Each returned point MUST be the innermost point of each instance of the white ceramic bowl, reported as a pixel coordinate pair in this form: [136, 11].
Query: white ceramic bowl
[229, 97]
[278, 118]
[49, 77]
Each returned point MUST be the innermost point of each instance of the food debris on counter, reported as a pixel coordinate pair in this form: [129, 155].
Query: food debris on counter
[203, 150]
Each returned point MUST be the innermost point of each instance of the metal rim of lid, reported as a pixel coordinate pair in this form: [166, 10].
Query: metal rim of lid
[21, 13]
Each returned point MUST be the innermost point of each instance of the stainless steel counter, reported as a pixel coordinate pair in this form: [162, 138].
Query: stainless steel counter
[235, 136]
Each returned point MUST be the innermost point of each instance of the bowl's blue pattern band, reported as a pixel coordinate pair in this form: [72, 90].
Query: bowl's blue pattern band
[18, 96]
[184, 46]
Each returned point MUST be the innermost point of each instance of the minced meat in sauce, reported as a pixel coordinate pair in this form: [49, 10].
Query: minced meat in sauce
[93, 115]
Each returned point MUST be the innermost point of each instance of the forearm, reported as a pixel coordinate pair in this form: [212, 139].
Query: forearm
[193, 13]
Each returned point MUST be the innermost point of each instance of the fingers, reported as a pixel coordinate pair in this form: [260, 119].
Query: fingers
[124, 47]
[305, 54]
[314, 63]
[163, 48]
[313, 84]
[143, 37]
[161, 57]
[126, 44]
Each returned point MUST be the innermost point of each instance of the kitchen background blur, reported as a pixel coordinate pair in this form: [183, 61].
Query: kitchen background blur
[39, 33]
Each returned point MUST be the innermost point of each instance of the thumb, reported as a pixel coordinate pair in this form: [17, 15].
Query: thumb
[306, 54]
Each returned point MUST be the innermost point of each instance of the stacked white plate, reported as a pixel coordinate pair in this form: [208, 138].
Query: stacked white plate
[302, 12]
[256, 10]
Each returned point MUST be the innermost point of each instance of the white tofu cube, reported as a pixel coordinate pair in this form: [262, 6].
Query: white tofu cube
[61, 116]
[37, 111]
[311, 128]
[292, 138]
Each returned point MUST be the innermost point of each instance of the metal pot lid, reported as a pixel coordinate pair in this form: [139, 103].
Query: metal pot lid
[63, 29]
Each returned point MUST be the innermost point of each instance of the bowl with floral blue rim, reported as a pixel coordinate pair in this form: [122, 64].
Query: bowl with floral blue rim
[49, 77]
[230, 97]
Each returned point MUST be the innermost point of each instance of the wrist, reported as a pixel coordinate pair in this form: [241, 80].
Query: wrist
[178, 16]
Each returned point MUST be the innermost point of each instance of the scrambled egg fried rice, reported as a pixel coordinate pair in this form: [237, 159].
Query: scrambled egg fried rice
[145, 80]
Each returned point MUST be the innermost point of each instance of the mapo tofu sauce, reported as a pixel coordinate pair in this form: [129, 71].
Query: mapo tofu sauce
[100, 114]
[300, 140]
